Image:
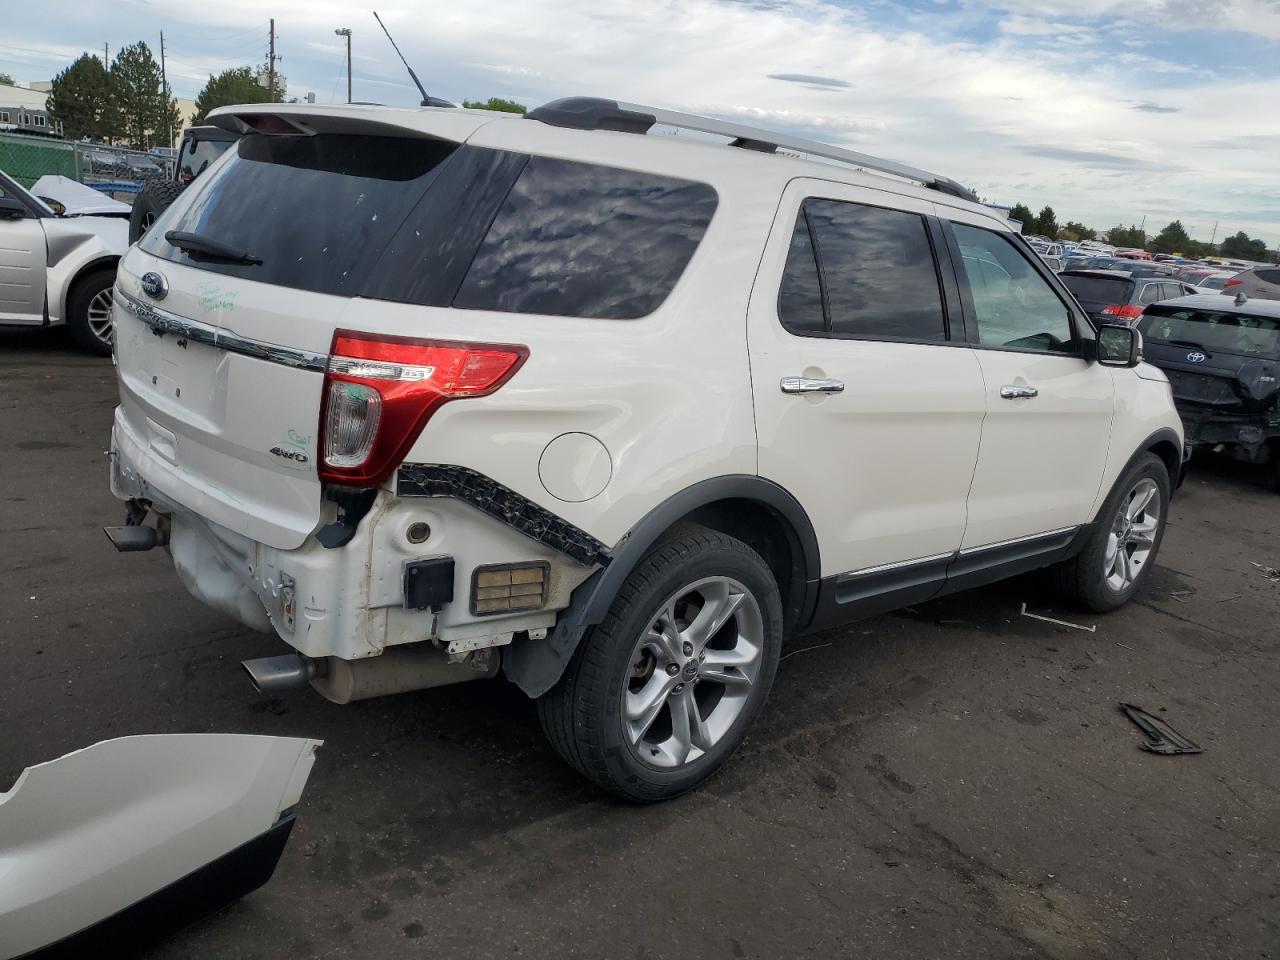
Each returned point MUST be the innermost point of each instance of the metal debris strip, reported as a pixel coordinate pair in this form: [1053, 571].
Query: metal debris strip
[1271, 573]
[816, 646]
[1060, 623]
[1161, 738]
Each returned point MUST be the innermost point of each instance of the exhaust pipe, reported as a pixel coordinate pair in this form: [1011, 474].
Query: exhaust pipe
[131, 538]
[397, 670]
[271, 675]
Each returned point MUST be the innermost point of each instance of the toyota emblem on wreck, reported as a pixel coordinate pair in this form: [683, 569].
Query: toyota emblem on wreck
[154, 285]
[1195, 356]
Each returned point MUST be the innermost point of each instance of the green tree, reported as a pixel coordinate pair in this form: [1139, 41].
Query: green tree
[7, 80]
[495, 103]
[1172, 239]
[148, 115]
[1129, 236]
[1073, 230]
[1242, 247]
[1047, 223]
[1022, 213]
[80, 99]
[237, 85]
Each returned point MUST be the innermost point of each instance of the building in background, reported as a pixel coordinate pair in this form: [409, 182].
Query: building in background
[25, 110]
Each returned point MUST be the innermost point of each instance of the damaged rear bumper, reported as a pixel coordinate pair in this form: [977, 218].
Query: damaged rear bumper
[111, 847]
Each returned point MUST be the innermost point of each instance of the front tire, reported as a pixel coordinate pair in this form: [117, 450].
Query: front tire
[89, 311]
[662, 691]
[1121, 551]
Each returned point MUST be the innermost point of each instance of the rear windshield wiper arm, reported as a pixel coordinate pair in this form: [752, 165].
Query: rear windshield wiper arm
[1189, 343]
[206, 247]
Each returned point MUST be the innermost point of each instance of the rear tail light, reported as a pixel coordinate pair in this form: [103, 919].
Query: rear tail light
[379, 392]
[1231, 283]
[1126, 311]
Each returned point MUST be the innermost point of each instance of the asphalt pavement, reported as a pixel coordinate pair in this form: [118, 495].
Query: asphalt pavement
[951, 780]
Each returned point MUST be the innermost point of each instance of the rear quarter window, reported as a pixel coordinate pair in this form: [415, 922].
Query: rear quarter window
[582, 240]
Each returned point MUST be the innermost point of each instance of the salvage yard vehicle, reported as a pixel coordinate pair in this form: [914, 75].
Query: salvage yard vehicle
[1255, 283]
[437, 393]
[57, 270]
[200, 147]
[1120, 295]
[1222, 357]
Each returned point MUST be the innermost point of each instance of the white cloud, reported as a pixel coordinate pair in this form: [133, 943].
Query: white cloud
[1017, 117]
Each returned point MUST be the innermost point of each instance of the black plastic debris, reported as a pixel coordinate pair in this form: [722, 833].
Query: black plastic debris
[1162, 738]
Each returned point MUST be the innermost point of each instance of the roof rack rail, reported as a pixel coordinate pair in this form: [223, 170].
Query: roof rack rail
[597, 113]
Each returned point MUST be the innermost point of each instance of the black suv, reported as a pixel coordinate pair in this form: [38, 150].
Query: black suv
[1119, 295]
[1222, 357]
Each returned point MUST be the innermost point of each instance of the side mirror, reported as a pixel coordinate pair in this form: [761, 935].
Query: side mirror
[56, 206]
[11, 209]
[1119, 346]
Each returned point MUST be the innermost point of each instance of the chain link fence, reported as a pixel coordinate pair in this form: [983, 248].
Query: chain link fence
[27, 159]
[115, 171]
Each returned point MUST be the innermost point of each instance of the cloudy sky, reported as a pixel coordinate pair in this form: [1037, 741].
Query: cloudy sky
[1109, 110]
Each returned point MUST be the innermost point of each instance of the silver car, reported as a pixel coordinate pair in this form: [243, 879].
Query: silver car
[1260, 283]
[57, 270]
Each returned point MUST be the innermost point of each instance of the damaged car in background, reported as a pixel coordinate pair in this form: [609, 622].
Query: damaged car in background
[58, 270]
[1222, 357]
[112, 847]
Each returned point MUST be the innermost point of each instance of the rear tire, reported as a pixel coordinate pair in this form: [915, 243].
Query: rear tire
[663, 690]
[152, 200]
[89, 311]
[1119, 554]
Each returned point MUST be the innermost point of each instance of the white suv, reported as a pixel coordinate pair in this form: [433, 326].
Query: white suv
[434, 393]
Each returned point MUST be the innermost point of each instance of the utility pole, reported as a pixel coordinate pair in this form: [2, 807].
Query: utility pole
[271, 63]
[106, 60]
[1214, 235]
[346, 32]
[164, 85]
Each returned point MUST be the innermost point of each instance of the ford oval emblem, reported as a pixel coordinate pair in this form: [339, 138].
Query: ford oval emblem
[1195, 356]
[154, 285]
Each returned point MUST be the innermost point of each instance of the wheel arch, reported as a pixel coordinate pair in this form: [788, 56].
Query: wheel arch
[757, 511]
[111, 260]
[1166, 445]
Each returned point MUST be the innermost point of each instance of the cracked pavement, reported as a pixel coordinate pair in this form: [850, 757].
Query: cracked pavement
[949, 780]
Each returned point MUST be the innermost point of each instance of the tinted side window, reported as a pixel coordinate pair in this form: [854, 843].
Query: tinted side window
[1151, 292]
[877, 271]
[1268, 276]
[581, 240]
[800, 297]
[1013, 305]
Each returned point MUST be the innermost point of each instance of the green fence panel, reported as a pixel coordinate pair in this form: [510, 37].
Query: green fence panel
[27, 159]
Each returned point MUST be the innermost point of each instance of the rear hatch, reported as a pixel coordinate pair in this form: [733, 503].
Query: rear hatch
[1097, 292]
[221, 357]
[1217, 361]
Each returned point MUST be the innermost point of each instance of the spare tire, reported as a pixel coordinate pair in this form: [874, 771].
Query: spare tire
[151, 201]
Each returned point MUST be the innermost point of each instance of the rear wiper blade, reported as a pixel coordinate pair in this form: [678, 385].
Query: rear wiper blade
[206, 247]
[1189, 343]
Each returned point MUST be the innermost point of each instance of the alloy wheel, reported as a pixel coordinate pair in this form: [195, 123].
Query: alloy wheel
[692, 671]
[1133, 535]
[99, 315]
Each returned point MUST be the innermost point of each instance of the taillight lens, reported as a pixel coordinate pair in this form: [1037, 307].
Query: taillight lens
[380, 391]
[1127, 310]
[1232, 282]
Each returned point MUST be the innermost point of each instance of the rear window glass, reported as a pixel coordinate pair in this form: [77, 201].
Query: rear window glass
[197, 155]
[877, 272]
[429, 222]
[582, 240]
[317, 211]
[1212, 330]
[1098, 289]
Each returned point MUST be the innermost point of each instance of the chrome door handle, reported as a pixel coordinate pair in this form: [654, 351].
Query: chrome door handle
[810, 385]
[1010, 392]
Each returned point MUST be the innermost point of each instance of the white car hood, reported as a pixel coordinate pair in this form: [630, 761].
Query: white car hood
[78, 199]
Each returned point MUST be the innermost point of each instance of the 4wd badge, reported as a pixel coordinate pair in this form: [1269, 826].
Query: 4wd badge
[294, 456]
